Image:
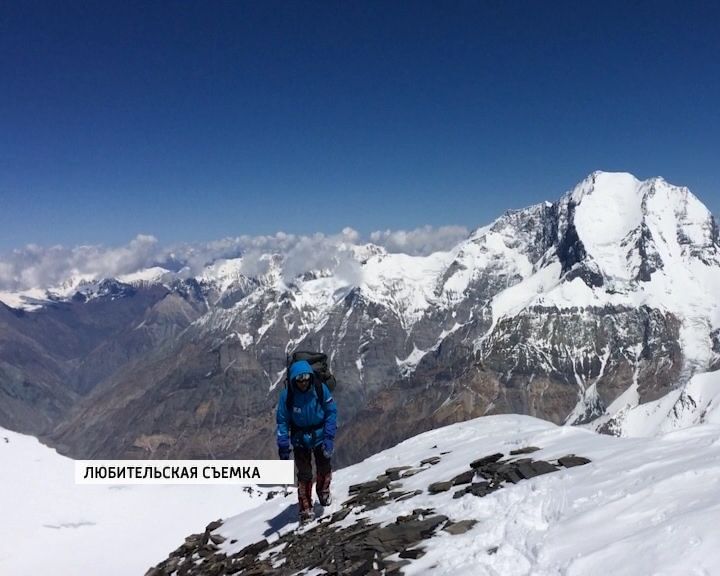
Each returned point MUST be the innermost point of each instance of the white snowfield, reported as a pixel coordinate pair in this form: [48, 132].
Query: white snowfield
[643, 506]
[50, 526]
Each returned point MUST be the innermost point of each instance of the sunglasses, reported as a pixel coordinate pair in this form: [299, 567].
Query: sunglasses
[303, 378]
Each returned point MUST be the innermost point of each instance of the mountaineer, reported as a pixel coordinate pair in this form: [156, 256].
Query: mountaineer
[306, 424]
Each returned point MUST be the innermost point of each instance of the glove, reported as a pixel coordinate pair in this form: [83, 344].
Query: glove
[327, 448]
[284, 447]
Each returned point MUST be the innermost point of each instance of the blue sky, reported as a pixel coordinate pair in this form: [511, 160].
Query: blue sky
[193, 121]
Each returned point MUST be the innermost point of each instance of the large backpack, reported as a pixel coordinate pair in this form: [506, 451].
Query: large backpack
[319, 363]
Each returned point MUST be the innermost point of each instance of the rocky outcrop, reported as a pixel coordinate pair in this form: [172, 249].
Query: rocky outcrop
[336, 545]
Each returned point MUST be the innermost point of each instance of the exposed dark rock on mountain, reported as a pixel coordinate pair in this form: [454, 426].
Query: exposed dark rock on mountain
[337, 546]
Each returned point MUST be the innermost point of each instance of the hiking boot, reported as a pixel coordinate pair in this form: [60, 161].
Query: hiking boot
[306, 516]
[323, 489]
[305, 501]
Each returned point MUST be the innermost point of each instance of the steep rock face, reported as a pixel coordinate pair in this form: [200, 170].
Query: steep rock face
[586, 351]
[573, 311]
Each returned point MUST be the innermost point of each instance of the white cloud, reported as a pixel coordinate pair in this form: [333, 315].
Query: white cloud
[37, 266]
[42, 267]
[420, 241]
[320, 252]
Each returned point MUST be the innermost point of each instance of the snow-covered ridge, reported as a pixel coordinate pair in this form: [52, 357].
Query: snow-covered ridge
[149, 275]
[642, 506]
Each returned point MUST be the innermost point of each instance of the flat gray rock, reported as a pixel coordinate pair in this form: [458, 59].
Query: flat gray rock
[480, 462]
[437, 487]
[460, 527]
[464, 478]
[571, 460]
[525, 450]
[432, 461]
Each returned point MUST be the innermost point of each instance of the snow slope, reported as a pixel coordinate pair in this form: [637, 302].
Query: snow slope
[49, 525]
[696, 403]
[642, 506]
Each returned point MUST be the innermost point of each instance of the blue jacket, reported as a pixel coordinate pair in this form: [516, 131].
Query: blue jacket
[312, 421]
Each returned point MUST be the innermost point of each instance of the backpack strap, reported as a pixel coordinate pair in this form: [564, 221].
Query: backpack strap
[319, 394]
[289, 395]
[289, 401]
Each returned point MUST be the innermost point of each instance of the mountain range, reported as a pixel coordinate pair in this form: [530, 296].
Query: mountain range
[595, 310]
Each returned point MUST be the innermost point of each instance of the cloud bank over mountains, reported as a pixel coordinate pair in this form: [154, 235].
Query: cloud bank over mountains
[421, 241]
[34, 266]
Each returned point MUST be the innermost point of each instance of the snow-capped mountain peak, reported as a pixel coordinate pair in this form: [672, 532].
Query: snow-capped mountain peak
[653, 220]
[601, 300]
